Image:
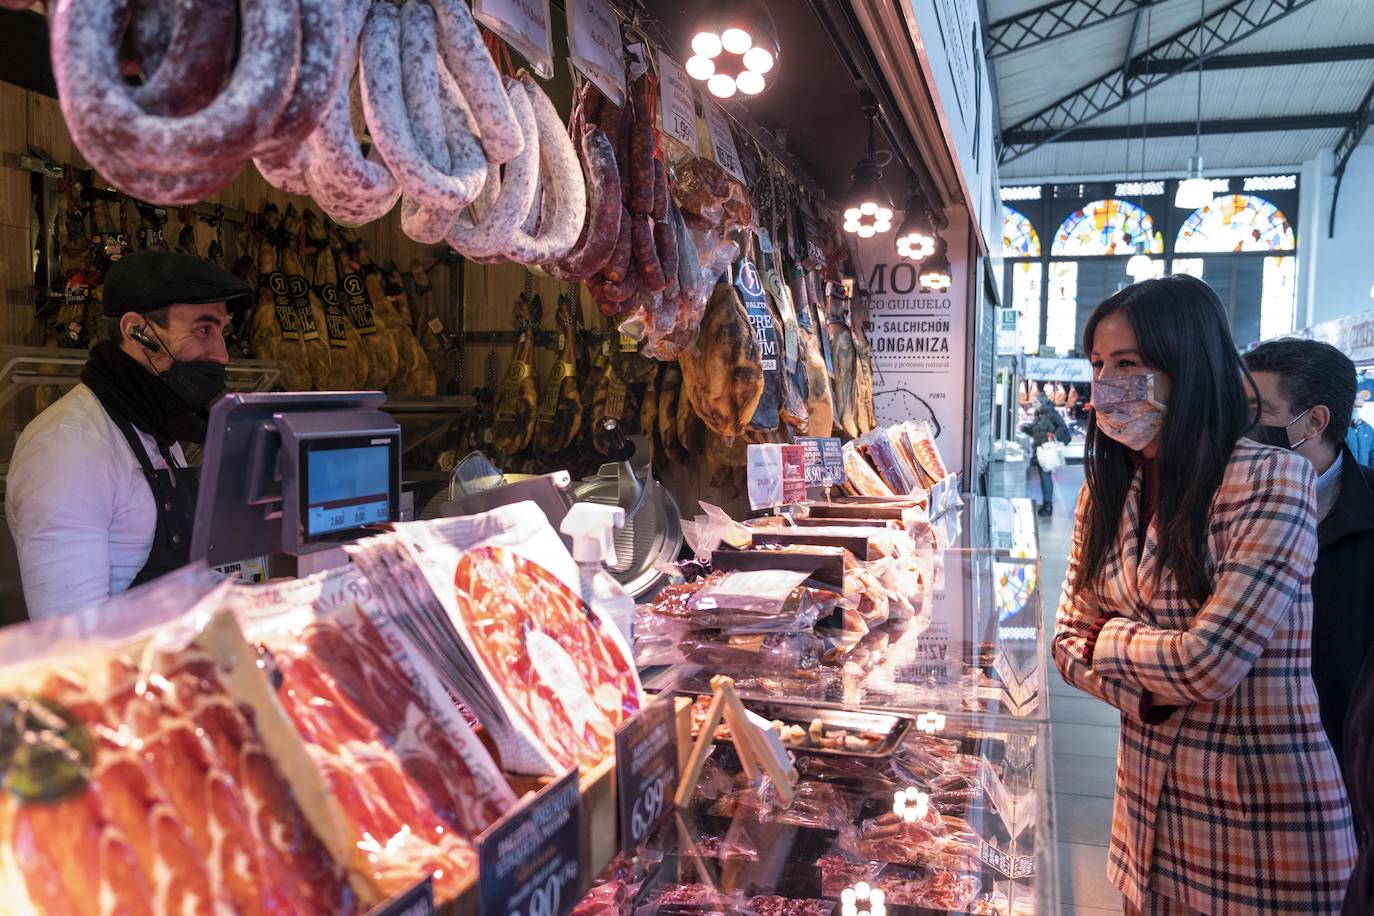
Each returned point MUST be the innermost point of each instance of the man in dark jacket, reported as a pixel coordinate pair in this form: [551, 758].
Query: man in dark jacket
[1047, 424]
[1303, 389]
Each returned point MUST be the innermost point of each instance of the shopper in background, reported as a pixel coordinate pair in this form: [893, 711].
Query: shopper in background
[98, 495]
[1187, 605]
[1046, 426]
[1303, 387]
[1360, 438]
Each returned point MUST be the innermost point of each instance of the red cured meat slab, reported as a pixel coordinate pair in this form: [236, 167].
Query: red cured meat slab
[504, 600]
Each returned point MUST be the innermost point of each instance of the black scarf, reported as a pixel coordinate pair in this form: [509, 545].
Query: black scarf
[130, 391]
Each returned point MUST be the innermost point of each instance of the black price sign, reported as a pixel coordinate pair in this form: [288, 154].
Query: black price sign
[529, 860]
[418, 901]
[645, 771]
[824, 461]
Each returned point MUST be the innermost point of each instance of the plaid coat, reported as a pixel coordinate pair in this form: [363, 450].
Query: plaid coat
[1234, 804]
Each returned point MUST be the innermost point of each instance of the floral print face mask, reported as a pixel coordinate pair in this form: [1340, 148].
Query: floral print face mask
[1126, 409]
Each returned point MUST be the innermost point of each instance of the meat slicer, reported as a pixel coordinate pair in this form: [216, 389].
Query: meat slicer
[650, 537]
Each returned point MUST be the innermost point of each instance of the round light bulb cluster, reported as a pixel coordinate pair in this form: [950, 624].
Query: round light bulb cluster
[930, 722]
[863, 900]
[910, 805]
[915, 246]
[730, 62]
[936, 279]
[868, 219]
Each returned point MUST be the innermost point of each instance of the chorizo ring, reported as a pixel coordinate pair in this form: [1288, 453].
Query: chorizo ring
[602, 231]
[351, 188]
[194, 63]
[321, 72]
[388, 121]
[560, 227]
[107, 124]
[470, 62]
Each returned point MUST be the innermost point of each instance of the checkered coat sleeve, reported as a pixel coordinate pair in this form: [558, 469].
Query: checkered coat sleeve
[1234, 804]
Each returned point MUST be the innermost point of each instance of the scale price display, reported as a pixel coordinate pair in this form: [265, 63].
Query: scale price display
[646, 771]
[529, 861]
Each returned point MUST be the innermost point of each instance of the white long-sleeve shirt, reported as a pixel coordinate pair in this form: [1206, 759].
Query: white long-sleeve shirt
[79, 508]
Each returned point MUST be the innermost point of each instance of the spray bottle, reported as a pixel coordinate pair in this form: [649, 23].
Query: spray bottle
[592, 529]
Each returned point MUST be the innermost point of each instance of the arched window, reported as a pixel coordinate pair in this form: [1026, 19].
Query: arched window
[1106, 227]
[1236, 222]
[1019, 238]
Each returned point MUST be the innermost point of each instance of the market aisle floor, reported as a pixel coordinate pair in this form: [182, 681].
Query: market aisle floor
[1083, 730]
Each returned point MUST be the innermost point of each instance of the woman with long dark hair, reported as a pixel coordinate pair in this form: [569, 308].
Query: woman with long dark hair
[1188, 607]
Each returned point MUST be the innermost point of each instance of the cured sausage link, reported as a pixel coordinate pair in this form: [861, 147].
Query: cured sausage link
[195, 62]
[559, 230]
[321, 72]
[488, 235]
[389, 122]
[470, 62]
[111, 130]
[603, 211]
[351, 188]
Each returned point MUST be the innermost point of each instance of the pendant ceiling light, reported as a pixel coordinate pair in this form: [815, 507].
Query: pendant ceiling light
[935, 271]
[916, 236]
[1195, 191]
[734, 48]
[868, 206]
[1140, 266]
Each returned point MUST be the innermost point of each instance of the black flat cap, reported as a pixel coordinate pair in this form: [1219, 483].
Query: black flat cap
[146, 281]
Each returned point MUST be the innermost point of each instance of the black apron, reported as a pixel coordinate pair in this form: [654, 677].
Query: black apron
[174, 495]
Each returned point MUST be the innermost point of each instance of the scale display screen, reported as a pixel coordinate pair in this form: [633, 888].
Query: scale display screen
[347, 484]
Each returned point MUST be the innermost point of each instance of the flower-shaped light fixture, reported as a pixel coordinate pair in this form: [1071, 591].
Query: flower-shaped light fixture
[734, 48]
[910, 805]
[930, 722]
[868, 207]
[863, 900]
[934, 274]
[916, 236]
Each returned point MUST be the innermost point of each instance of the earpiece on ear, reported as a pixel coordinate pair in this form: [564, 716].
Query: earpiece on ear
[152, 346]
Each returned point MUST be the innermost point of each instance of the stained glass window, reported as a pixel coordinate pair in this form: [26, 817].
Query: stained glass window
[1279, 297]
[1236, 222]
[1019, 238]
[1106, 227]
[1026, 280]
[1061, 317]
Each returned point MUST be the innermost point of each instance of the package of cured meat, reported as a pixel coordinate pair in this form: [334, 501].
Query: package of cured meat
[154, 770]
[415, 783]
[494, 599]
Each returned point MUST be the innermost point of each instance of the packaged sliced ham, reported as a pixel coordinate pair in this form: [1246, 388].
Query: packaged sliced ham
[154, 770]
[860, 479]
[493, 599]
[414, 782]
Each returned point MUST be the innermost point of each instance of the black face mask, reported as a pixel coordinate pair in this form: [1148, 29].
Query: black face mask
[195, 382]
[1277, 436]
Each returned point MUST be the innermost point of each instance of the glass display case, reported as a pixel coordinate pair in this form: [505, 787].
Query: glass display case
[924, 760]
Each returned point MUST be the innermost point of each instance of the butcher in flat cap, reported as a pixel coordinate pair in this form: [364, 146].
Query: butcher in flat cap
[98, 496]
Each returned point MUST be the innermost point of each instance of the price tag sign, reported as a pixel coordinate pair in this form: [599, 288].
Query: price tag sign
[646, 771]
[529, 860]
[524, 25]
[824, 461]
[595, 46]
[418, 901]
[996, 858]
[1024, 867]
[793, 474]
[722, 141]
[679, 108]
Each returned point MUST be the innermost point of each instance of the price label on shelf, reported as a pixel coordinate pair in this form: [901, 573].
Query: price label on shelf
[595, 46]
[996, 858]
[722, 141]
[418, 901]
[646, 771]
[679, 108]
[529, 862]
[824, 461]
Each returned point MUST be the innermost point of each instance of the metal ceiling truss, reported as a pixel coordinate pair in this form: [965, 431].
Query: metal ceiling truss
[1223, 27]
[1357, 126]
[1053, 20]
[1261, 60]
[1187, 128]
